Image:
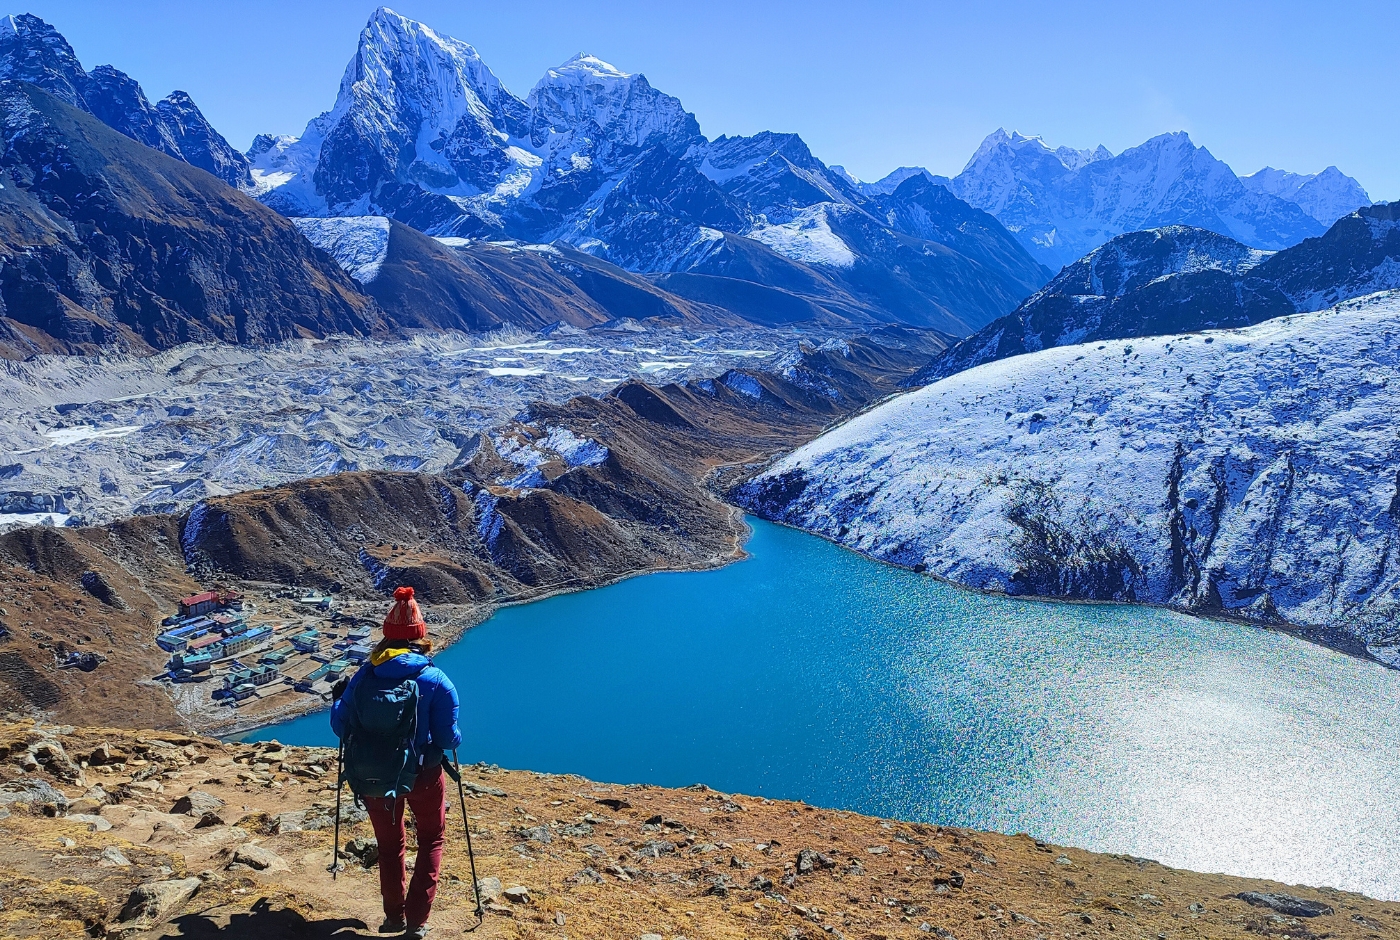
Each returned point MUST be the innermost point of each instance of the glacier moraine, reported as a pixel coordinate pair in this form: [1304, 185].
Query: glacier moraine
[89, 439]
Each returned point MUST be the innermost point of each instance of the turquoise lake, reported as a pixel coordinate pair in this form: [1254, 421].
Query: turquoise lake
[808, 672]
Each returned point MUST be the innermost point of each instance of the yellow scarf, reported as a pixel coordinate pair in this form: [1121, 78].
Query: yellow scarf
[380, 657]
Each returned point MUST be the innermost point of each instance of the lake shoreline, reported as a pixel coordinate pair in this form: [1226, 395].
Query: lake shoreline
[1326, 637]
[1329, 638]
[457, 628]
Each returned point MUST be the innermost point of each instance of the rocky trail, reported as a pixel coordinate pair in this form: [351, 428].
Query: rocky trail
[110, 833]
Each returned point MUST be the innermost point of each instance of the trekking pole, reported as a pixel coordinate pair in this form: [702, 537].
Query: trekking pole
[467, 827]
[339, 780]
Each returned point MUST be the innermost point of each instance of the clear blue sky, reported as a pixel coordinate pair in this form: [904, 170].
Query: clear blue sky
[872, 85]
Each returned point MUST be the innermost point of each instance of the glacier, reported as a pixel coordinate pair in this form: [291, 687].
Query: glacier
[359, 244]
[1252, 473]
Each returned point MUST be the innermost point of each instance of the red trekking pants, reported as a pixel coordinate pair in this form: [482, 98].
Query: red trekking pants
[428, 802]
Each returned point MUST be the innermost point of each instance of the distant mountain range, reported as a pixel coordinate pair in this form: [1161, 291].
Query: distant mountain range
[1062, 203]
[1179, 279]
[643, 214]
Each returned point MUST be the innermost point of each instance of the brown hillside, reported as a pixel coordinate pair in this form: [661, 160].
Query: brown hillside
[598, 861]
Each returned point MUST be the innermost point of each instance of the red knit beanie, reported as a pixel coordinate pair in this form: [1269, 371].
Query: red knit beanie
[404, 621]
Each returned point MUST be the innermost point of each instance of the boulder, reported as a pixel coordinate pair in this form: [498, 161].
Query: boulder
[113, 857]
[1286, 904]
[259, 858]
[52, 757]
[32, 790]
[94, 822]
[156, 902]
[539, 834]
[168, 833]
[197, 803]
[809, 861]
[614, 804]
[490, 888]
[283, 823]
[366, 851]
[654, 849]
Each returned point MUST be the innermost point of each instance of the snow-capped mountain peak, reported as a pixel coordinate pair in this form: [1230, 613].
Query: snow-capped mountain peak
[1002, 141]
[892, 181]
[586, 92]
[1326, 196]
[404, 63]
[415, 108]
[589, 66]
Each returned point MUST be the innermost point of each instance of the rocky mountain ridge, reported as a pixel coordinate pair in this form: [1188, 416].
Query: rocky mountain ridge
[1180, 279]
[33, 51]
[1326, 196]
[105, 242]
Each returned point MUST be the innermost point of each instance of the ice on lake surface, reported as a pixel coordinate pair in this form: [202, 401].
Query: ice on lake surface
[116, 435]
[810, 672]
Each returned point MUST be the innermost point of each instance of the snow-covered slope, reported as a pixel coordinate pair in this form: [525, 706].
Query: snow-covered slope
[1252, 472]
[1326, 196]
[808, 238]
[33, 51]
[1063, 203]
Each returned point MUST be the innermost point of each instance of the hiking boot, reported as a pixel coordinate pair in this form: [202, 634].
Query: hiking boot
[393, 925]
[416, 933]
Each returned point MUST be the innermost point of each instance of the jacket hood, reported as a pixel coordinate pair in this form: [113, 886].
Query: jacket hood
[402, 666]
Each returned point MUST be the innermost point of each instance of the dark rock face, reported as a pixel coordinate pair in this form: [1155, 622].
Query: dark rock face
[107, 242]
[1179, 279]
[198, 143]
[1286, 904]
[33, 51]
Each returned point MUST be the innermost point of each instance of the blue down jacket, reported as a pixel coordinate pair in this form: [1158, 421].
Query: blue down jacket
[437, 703]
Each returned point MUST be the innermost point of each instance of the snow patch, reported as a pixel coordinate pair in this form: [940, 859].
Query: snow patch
[62, 437]
[808, 238]
[359, 244]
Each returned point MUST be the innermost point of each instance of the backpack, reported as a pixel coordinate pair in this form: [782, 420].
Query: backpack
[381, 752]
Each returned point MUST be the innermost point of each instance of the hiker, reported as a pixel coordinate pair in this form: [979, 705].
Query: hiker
[394, 756]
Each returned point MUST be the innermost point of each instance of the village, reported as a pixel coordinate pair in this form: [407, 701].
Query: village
[220, 637]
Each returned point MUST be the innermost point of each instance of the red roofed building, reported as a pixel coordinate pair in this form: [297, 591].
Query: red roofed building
[197, 604]
[208, 640]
